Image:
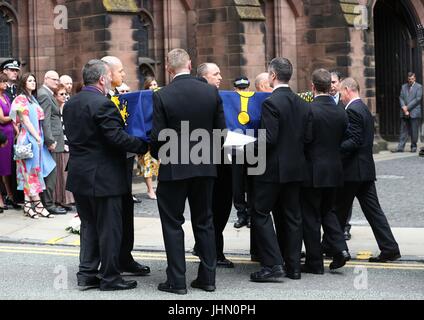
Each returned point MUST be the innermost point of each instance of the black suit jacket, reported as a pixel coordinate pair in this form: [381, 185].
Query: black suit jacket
[357, 148]
[186, 99]
[323, 153]
[98, 146]
[287, 119]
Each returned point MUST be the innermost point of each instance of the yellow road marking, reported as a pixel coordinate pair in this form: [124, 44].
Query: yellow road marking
[162, 257]
[76, 243]
[55, 240]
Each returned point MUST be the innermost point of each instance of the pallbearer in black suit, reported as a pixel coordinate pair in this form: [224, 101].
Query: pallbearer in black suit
[97, 177]
[325, 171]
[286, 117]
[128, 265]
[180, 108]
[359, 172]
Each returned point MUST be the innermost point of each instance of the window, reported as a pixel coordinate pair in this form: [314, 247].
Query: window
[5, 35]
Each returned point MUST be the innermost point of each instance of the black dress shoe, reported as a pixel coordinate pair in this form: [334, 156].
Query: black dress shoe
[307, 269]
[136, 269]
[240, 223]
[303, 255]
[123, 285]
[384, 257]
[194, 252]
[136, 200]
[88, 284]
[12, 203]
[339, 260]
[56, 210]
[294, 275]
[268, 274]
[347, 235]
[205, 287]
[224, 263]
[414, 150]
[166, 287]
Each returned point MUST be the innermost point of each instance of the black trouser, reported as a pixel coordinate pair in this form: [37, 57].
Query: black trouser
[172, 196]
[366, 193]
[239, 179]
[101, 235]
[316, 211]
[267, 196]
[125, 257]
[48, 195]
[221, 205]
[409, 128]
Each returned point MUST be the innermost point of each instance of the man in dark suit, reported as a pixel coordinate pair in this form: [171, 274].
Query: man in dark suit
[97, 177]
[53, 135]
[325, 172]
[286, 117]
[128, 265]
[184, 106]
[359, 173]
[410, 99]
[222, 200]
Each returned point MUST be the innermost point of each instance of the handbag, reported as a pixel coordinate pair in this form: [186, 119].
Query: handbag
[22, 151]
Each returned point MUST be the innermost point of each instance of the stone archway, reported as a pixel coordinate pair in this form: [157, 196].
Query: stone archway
[396, 53]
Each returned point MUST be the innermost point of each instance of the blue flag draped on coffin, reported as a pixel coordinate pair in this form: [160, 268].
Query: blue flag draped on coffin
[242, 111]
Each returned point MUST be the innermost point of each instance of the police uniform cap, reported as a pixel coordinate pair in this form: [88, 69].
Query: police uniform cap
[11, 64]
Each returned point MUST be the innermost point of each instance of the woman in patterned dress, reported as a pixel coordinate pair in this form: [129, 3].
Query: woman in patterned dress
[30, 173]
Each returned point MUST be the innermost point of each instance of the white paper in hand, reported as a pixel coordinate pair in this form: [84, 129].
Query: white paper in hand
[235, 139]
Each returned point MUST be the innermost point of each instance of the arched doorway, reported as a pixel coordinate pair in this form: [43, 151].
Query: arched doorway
[396, 53]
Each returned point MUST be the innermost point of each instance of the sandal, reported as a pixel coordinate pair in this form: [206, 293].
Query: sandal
[41, 211]
[29, 211]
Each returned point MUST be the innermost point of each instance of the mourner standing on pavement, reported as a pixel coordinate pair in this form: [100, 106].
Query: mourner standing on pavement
[411, 96]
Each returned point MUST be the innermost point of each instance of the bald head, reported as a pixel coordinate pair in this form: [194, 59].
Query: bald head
[67, 82]
[51, 80]
[262, 83]
[117, 69]
[211, 72]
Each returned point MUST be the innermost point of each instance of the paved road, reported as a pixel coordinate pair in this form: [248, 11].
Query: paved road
[400, 188]
[45, 272]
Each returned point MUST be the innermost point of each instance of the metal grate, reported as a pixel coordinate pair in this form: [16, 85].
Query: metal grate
[5, 36]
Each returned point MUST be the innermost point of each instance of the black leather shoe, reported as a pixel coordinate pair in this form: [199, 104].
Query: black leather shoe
[56, 210]
[294, 275]
[205, 287]
[11, 203]
[88, 284]
[303, 255]
[136, 269]
[414, 150]
[339, 260]
[166, 287]
[224, 263]
[123, 285]
[347, 235]
[136, 200]
[240, 223]
[307, 269]
[268, 274]
[384, 257]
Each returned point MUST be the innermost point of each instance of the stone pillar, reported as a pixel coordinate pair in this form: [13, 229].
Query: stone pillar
[231, 33]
